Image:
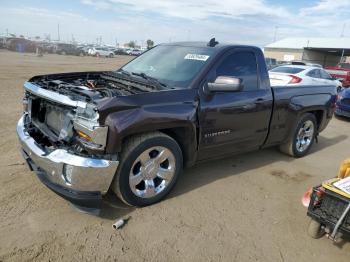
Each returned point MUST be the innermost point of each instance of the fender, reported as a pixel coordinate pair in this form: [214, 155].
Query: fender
[173, 113]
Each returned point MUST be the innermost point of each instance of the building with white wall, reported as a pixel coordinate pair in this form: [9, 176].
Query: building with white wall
[324, 51]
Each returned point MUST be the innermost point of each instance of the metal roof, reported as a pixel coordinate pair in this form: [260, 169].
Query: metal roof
[312, 42]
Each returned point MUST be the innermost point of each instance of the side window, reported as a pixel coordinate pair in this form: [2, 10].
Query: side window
[314, 73]
[325, 75]
[318, 73]
[242, 65]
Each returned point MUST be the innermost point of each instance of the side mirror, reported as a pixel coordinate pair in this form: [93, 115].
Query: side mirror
[226, 84]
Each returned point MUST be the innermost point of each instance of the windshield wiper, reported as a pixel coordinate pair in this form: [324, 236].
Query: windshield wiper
[123, 72]
[149, 78]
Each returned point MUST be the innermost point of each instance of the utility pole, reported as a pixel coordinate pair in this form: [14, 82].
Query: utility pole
[275, 34]
[7, 32]
[58, 32]
[342, 31]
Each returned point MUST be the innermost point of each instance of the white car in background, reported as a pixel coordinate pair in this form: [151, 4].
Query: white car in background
[101, 51]
[301, 75]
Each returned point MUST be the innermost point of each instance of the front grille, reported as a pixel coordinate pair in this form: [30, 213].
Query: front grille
[51, 119]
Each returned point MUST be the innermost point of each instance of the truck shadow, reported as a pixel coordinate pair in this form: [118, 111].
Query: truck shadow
[342, 118]
[324, 142]
[113, 208]
[207, 172]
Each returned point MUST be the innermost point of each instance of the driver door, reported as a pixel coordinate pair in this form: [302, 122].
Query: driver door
[234, 121]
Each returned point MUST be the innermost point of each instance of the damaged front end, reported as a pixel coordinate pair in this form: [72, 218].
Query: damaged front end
[55, 120]
[64, 142]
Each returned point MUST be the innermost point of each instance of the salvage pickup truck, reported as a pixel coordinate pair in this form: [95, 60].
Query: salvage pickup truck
[133, 130]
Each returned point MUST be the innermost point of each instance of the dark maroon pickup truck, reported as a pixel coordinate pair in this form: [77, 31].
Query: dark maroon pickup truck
[134, 129]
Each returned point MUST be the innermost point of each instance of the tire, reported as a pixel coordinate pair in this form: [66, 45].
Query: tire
[141, 162]
[339, 88]
[315, 229]
[295, 146]
[111, 56]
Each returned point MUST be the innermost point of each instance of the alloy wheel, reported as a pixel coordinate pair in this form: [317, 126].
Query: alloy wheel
[152, 172]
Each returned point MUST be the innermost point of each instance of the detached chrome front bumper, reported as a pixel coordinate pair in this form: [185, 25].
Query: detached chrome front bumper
[68, 172]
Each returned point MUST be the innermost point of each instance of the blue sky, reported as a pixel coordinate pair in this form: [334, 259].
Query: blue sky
[236, 21]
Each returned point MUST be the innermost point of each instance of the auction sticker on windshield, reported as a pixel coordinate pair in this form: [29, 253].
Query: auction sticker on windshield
[196, 57]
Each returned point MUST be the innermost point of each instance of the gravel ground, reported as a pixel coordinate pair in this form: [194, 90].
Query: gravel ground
[242, 208]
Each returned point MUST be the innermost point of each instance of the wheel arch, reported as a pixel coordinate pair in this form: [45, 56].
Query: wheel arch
[187, 140]
[319, 115]
[184, 136]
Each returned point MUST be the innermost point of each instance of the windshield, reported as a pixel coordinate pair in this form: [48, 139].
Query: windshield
[287, 69]
[175, 66]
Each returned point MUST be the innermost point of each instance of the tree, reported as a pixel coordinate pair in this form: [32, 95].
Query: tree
[150, 44]
[132, 44]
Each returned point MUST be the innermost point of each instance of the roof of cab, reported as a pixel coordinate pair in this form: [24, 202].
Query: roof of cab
[202, 44]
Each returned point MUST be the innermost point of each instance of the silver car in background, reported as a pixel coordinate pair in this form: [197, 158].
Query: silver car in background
[301, 75]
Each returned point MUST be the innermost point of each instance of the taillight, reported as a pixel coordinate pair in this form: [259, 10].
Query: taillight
[294, 79]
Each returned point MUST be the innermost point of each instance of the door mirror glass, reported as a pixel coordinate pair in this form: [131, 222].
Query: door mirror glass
[226, 84]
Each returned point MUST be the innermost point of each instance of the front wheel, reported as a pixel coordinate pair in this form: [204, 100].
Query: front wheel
[302, 138]
[149, 167]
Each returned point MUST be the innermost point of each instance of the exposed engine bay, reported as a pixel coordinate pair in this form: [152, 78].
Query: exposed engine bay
[55, 123]
[92, 86]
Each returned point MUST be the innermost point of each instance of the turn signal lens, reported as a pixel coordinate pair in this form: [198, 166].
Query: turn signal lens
[84, 136]
[306, 198]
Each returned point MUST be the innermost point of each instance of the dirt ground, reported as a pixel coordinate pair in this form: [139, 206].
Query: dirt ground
[242, 208]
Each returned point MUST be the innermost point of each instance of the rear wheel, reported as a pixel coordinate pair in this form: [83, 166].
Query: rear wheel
[315, 229]
[111, 55]
[302, 138]
[149, 167]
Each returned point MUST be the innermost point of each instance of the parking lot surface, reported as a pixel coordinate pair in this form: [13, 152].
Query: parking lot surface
[241, 208]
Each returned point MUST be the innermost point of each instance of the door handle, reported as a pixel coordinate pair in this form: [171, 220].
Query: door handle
[249, 106]
[259, 101]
